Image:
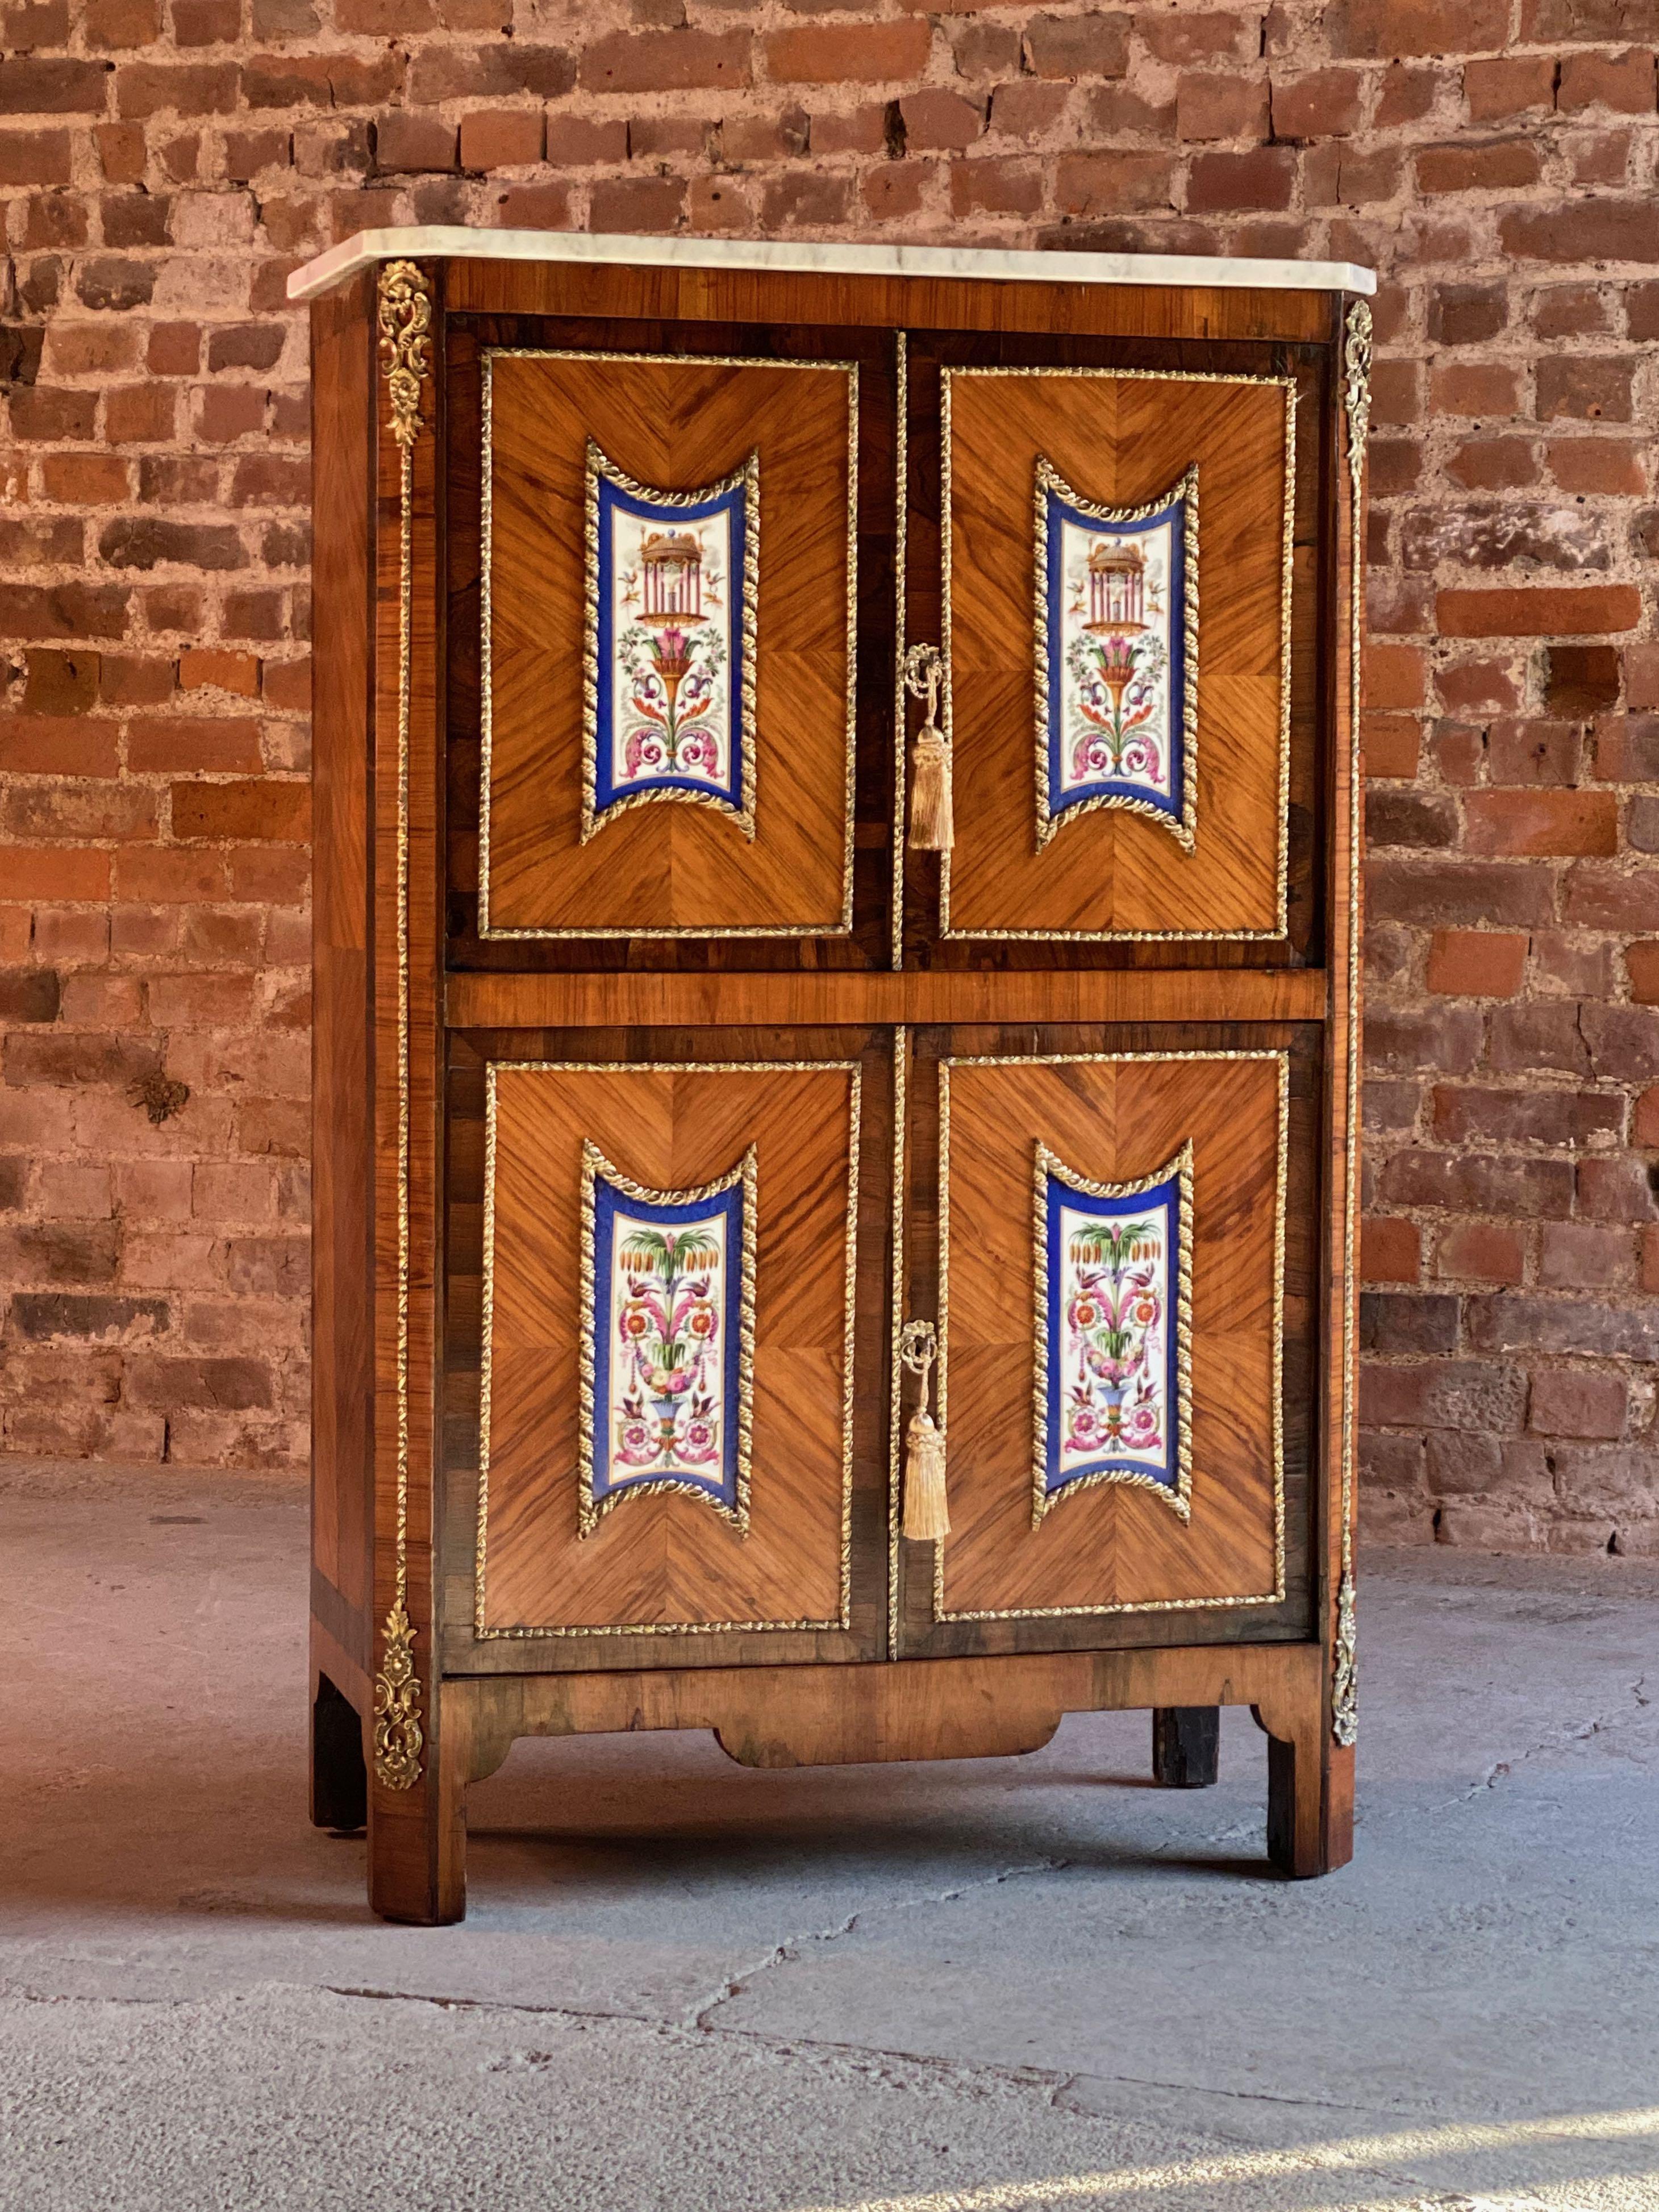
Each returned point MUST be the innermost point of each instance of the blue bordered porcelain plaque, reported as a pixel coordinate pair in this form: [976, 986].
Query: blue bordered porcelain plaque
[667, 1339]
[669, 690]
[1113, 1331]
[1116, 639]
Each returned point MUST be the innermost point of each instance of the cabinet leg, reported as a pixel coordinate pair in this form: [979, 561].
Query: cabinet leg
[417, 1836]
[1186, 1746]
[1310, 1795]
[340, 1779]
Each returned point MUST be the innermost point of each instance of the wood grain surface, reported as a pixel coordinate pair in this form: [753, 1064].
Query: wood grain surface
[1118, 442]
[520, 1001]
[673, 424]
[1115, 1544]
[1176, 310]
[664, 1560]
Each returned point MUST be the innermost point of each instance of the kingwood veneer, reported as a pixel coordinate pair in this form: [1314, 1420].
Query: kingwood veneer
[672, 1080]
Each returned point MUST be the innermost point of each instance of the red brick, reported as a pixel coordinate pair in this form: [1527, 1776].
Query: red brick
[1576, 1402]
[34, 157]
[1481, 1251]
[1406, 96]
[68, 745]
[1394, 676]
[1494, 463]
[261, 808]
[1477, 963]
[547, 207]
[574, 142]
[1583, 230]
[53, 872]
[1648, 1274]
[1580, 1256]
[1539, 610]
[1389, 1250]
[1611, 898]
[510, 139]
[1390, 745]
[1389, 30]
[1222, 183]
[1321, 105]
[1598, 465]
[1022, 110]
[1211, 105]
[1588, 386]
[936, 119]
[1474, 388]
[1502, 165]
[1497, 90]
[1622, 81]
[1467, 686]
[1083, 45]
[143, 89]
[403, 141]
[85, 479]
[1110, 184]
[1209, 36]
[848, 53]
[1641, 964]
[994, 187]
[113, 24]
[1522, 822]
[896, 188]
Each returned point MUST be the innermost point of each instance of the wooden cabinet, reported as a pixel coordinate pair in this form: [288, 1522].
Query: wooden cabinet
[836, 1000]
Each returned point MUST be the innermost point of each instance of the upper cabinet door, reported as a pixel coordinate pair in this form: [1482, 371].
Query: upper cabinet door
[667, 686]
[1118, 605]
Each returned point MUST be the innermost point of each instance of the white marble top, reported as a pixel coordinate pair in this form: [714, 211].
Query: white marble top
[448, 240]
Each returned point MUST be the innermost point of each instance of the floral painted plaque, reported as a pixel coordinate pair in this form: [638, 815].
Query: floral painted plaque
[1113, 1384]
[669, 697]
[667, 1339]
[1116, 638]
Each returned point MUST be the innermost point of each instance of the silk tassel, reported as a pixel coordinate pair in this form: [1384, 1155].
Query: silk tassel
[932, 830]
[927, 1515]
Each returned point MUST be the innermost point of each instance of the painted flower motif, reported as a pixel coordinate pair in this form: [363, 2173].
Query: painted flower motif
[636, 1443]
[1140, 1428]
[1114, 1307]
[635, 1321]
[703, 1322]
[699, 1441]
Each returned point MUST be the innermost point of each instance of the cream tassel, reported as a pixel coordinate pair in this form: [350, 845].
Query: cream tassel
[932, 827]
[927, 1515]
[927, 1512]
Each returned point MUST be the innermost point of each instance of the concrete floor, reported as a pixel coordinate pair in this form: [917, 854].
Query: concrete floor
[685, 1987]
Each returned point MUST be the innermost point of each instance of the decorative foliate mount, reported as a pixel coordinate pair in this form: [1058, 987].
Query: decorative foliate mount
[405, 320]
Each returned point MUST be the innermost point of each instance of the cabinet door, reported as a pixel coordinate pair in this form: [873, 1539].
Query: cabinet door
[668, 586]
[672, 1442]
[1118, 1259]
[1119, 597]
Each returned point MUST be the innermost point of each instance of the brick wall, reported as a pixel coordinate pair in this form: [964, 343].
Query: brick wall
[164, 164]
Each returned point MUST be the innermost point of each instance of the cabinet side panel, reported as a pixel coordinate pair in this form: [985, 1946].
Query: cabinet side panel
[342, 1075]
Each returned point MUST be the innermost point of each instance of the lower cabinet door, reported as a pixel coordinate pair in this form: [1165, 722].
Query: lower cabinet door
[679, 1423]
[1118, 1259]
